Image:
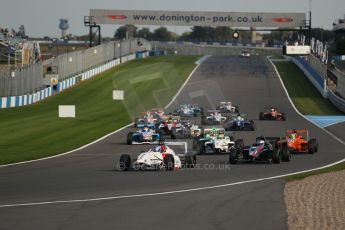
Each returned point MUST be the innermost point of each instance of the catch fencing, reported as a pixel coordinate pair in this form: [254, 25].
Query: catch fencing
[20, 81]
[31, 79]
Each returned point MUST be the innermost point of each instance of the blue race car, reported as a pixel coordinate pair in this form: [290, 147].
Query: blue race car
[239, 123]
[143, 136]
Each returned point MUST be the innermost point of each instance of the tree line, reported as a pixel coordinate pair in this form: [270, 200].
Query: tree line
[336, 41]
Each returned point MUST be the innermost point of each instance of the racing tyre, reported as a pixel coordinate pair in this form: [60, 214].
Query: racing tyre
[190, 161]
[239, 145]
[316, 146]
[248, 127]
[252, 128]
[195, 143]
[275, 156]
[173, 133]
[169, 162]
[261, 116]
[233, 157]
[201, 148]
[286, 156]
[129, 138]
[311, 146]
[124, 162]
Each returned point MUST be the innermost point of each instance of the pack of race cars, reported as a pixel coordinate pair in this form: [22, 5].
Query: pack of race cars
[211, 132]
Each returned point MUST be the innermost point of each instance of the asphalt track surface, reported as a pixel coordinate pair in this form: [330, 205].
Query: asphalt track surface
[252, 84]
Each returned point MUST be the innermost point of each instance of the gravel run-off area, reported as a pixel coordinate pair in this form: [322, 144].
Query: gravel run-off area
[316, 202]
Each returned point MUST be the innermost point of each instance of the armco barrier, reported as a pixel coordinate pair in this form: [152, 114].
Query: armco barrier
[17, 101]
[314, 77]
[336, 101]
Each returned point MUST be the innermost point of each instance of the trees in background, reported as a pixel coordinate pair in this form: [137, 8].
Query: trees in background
[126, 31]
[224, 34]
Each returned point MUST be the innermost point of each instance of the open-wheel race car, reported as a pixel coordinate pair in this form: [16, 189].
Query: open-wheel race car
[186, 130]
[265, 149]
[227, 107]
[165, 126]
[214, 118]
[189, 110]
[239, 122]
[298, 141]
[143, 136]
[160, 157]
[272, 113]
[149, 118]
[215, 140]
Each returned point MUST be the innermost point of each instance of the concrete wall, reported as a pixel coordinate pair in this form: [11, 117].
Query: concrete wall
[336, 101]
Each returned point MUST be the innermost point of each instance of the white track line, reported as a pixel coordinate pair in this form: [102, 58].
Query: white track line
[104, 137]
[163, 193]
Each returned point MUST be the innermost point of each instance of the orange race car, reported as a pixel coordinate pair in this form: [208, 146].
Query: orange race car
[298, 141]
[272, 113]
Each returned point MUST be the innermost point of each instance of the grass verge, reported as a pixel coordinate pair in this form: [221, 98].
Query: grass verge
[303, 94]
[35, 131]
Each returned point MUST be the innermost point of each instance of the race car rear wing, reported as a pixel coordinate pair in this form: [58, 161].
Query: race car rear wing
[167, 117]
[185, 145]
[301, 131]
[210, 130]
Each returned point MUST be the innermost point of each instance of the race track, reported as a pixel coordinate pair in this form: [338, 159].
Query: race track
[252, 84]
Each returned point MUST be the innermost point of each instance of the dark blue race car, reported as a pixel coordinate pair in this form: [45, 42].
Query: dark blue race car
[239, 123]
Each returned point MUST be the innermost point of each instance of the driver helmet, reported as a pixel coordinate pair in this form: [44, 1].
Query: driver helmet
[261, 139]
[161, 147]
[293, 134]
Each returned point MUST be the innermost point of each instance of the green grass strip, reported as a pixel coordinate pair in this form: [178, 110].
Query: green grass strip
[338, 167]
[302, 92]
[35, 131]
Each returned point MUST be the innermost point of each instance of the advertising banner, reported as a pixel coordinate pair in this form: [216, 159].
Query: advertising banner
[297, 50]
[181, 18]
